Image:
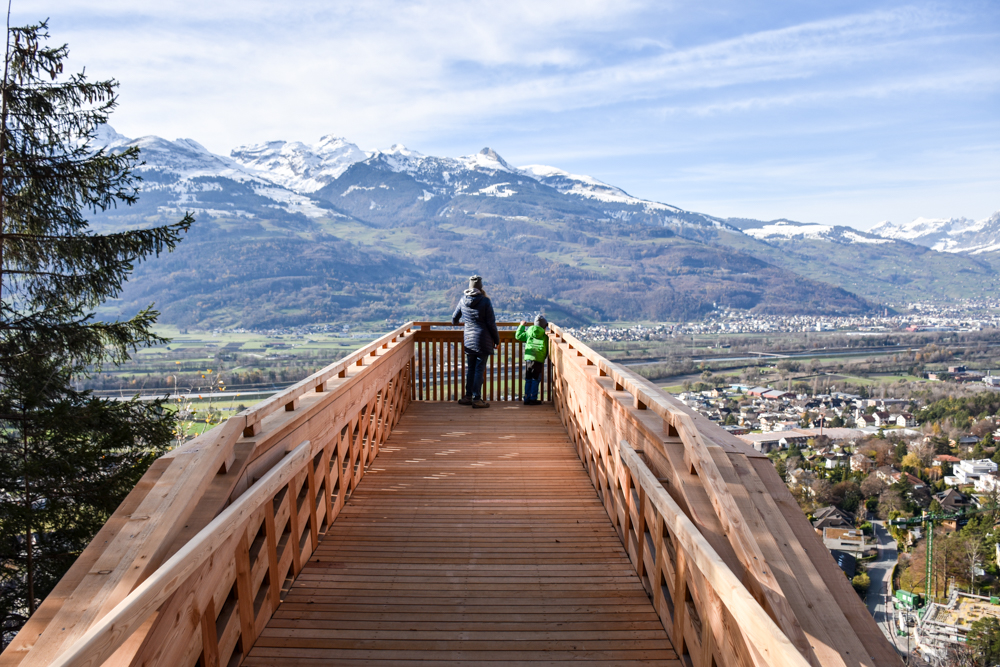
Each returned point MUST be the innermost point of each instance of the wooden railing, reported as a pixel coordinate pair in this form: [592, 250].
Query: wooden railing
[736, 573]
[439, 365]
[193, 564]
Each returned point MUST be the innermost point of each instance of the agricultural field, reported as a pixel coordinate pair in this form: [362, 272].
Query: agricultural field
[197, 363]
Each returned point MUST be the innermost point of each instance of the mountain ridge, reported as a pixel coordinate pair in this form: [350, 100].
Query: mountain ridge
[290, 232]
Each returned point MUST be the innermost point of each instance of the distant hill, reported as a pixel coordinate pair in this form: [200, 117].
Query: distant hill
[290, 233]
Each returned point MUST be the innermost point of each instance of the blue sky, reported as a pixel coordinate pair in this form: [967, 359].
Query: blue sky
[835, 112]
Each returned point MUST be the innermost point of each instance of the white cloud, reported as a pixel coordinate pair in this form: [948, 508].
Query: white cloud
[669, 100]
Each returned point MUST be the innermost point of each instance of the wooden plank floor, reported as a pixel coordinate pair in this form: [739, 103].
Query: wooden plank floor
[475, 538]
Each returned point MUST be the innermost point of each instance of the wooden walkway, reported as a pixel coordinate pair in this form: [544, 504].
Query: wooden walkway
[475, 538]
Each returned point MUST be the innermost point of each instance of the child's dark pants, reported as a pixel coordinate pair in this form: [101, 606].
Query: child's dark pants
[533, 378]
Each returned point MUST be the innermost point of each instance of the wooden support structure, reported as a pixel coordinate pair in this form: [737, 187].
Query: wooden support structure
[222, 532]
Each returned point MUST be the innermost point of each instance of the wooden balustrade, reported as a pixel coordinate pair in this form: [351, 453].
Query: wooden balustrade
[736, 573]
[192, 565]
[196, 560]
[439, 365]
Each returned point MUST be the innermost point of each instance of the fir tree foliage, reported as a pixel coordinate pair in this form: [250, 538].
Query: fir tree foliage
[67, 458]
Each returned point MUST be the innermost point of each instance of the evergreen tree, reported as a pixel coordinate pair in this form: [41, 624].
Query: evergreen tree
[67, 458]
[983, 641]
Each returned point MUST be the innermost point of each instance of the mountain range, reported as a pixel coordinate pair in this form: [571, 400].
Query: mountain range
[289, 233]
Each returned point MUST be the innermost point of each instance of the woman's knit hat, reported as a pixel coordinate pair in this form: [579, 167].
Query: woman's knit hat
[540, 321]
[475, 282]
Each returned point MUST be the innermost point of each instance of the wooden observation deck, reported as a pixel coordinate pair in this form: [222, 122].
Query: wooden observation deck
[363, 518]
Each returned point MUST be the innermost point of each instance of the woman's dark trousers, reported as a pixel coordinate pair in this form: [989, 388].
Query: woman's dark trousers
[475, 369]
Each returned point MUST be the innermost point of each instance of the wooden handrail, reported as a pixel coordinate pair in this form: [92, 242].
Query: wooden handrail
[347, 410]
[105, 637]
[767, 638]
[734, 498]
[439, 365]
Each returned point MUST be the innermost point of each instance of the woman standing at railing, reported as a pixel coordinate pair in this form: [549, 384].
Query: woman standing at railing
[475, 310]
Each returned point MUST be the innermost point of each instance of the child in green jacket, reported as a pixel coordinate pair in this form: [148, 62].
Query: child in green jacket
[536, 350]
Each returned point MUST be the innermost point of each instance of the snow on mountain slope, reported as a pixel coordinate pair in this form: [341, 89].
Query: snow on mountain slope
[784, 230]
[289, 176]
[947, 235]
[300, 167]
[307, 168]
[184, 175]
[588, 186]
[185, 158]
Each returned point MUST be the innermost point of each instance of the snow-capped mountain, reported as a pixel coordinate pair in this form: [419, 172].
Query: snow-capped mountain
[183, 175]
[947, 235]
[300, 167]
[334, 177]
[786, 230]
[307, 169]
[184, 158]
[588, 186]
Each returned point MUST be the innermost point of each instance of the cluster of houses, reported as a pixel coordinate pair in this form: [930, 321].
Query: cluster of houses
[969, 315]
[744, 409]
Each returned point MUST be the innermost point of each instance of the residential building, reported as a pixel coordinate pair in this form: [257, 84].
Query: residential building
[831, 517]
[887, 474]
[834, 460]
[865, 421]
[851, 540]
[941, 459]
[988, 483]
[952, 500]
[967, 472]
[882, 418]
[860, 462]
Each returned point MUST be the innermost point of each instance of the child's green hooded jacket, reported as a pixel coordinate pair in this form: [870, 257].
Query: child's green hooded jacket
[536, 346]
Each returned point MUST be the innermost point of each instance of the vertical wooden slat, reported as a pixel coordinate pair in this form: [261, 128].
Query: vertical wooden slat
[293, 525]
[492, 377]
[311, 499]
[423, 370]
[209, 638]
[330, 454]
[417, 364]
[434, 370]
[446, 376]
[244, 593]
[461, 347]
[272, 554]
[420, 369]
[508, 370]
[548, 378]
[520, 370]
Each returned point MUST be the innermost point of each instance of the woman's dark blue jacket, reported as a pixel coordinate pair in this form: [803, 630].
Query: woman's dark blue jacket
[476, 311]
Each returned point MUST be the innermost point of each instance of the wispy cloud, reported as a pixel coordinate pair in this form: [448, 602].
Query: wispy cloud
[621, 88]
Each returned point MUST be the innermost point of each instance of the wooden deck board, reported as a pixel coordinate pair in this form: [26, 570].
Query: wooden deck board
[475, 537]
